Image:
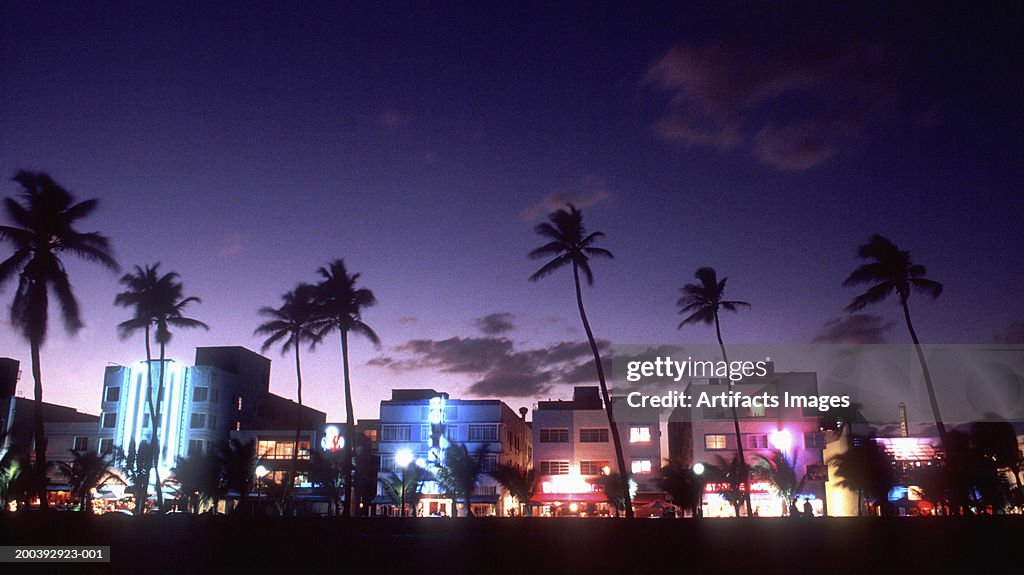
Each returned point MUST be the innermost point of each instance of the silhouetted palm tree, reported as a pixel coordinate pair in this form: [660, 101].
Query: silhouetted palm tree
[867, 469]
[683, 486]
[460, 472]
[520, 483]
[616, 490]
[10, 470]
[780, 473]
[890, 270]
[701, 303]
[327, 474]
[570, 244]
[88, 470]
[199, 480]
[408, 487]
[339, 306]
[135, 466]
[157, 304]
[44, 228]
[237, 461]
[732, 475]
[291, 325]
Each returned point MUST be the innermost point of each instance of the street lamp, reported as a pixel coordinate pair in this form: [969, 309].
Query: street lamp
[261, 472]
[403, 458]
[698, 468]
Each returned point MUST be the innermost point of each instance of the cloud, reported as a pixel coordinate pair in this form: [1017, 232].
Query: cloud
[233, 246]
[393, 119]
[495, 323]
[496, 366]
[588, 192]
[792, 101]
[407, 319]
[858, 328]
[1012, 334]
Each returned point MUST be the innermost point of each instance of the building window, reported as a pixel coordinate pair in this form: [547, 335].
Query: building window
[238, 426]
[814, 440]
[106, 446]
[238, 403]
[483, 432]
[270, 449]
[756, 440]
[554, 468]
[640, 434]
[198, 421]
[715, 413]
[113, 394]
[592, 467]
[594, 435]
[425, 433]
[109, 420]
[145, 420]
[213, 421]
[200, 394]
[195, 447]
[554, 436]
[370, 434]
[640, 466]
[81, 444]
[485, 490]
[489, 463]
[716, 441]
[395, 432]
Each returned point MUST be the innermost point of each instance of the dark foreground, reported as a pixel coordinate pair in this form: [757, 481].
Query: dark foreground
[188, 545]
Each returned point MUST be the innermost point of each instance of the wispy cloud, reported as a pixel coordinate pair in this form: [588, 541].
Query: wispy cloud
[394, 119]
[793, 102]
[495, 323]
[858, 328]
[407, 319]
[589, 191]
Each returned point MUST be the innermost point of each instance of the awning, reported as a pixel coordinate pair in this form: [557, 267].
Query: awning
[592, 497]
[648, 497]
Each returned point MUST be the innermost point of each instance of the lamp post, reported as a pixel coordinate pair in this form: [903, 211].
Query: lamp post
[261, 472]
[698, 472]
[403, 458]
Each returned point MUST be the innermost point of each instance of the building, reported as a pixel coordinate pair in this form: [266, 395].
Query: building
[573, 449]
[226, 390]
[706, 435]
[423, 423]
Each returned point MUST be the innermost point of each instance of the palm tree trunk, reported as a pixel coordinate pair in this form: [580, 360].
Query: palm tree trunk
[38, 427]
[298, 415]
[939, 425]
[151, 467]
[156, 428]
[742, 462]
[616, 440]
[349, 422]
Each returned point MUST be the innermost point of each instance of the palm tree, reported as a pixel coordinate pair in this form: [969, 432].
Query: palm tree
[571, 244]
[237, 461]
[460, 472]
[683, 485]
[44, 228]
[780, 473]
[289, 325]
[889, 270]
[616, 490]
[520, 483]
[866, 468]
[407, 488]
[88, 470]
[135, 466]
[199, 480]
[339, 306]
[10, 470]
[327, 474]
[732, 474]
[158, 305]
[701, 303]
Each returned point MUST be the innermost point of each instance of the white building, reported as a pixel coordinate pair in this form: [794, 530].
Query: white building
[573, 448]
[424, 422]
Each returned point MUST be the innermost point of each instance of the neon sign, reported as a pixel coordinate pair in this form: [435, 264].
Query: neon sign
[332, 439]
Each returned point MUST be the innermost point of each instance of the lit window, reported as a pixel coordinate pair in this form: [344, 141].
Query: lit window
[756, 441]
[596, 435]
[113, 394]
[554, 468]
[641, 434]
[554, 436]
[715, 441]
[238, 403]
[640, 466]
[592, 467]
[109, 420]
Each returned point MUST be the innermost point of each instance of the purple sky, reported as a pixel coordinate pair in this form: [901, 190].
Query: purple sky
[245, 144]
